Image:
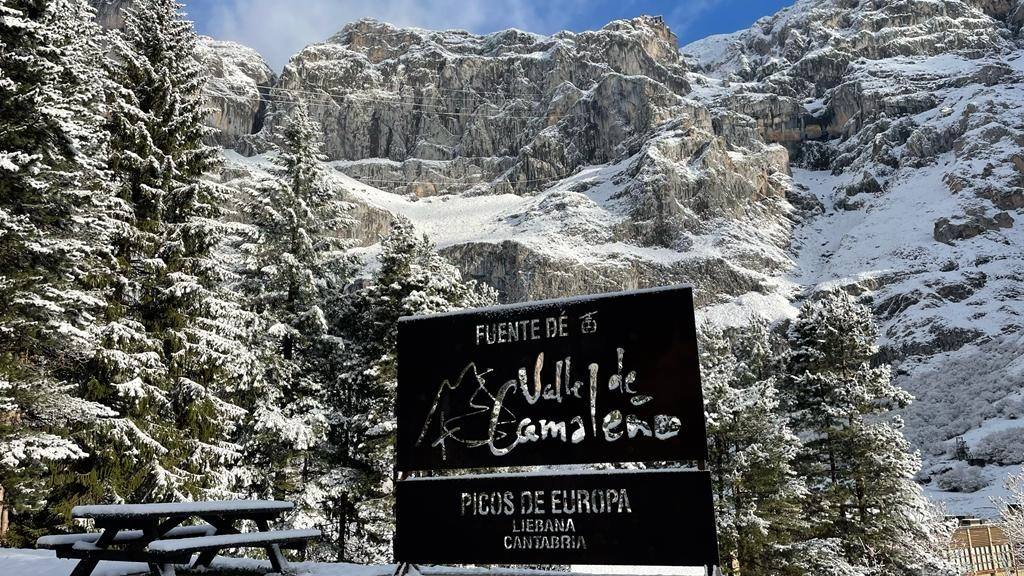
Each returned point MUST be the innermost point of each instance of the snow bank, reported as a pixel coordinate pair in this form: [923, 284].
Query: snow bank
[18, 562]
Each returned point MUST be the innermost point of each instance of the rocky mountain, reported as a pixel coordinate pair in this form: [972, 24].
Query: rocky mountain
[871, 145]
[904, 122]
[575, 162]
[110, 13]
[237, 91]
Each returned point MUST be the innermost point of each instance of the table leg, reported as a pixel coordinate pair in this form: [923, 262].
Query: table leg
[87, 565]
[277, 560]
[161, 569]
[106, 538]
[223, 526]
[84, 567]
[167, 525]
[205, 559]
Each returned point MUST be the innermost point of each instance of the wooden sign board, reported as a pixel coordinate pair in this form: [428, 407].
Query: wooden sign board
[655, 517]
[608, 378]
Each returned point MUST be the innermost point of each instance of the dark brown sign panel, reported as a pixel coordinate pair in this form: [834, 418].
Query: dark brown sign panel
[608, 378]
[655, 517]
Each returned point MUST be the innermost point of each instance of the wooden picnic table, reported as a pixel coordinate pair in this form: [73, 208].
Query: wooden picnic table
[155, 534]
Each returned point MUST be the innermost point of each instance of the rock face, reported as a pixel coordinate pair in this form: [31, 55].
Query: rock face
[524, 110]
[236, 90]
[110, 13]
[804, 53]
[947, 232]
[237, 86]
[904, 119]
[608, 173]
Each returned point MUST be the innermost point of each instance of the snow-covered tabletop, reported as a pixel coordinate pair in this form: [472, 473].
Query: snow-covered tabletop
[218, 507]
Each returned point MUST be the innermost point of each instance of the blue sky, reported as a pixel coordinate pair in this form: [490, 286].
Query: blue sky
[279, 28]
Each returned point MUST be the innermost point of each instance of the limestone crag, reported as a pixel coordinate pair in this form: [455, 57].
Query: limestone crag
[236, 91]
[237, 86]
[793, 68]
[522, 274]
[110, 13]
[414, 95]
[681, 193]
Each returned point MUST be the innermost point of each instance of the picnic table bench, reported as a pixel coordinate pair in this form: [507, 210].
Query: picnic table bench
[155, 534]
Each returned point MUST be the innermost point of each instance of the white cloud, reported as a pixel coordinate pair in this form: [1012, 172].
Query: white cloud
[277, 29]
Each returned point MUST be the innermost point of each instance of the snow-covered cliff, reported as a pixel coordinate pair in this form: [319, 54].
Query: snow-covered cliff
[550, 165]
[238, 85]
[908, 142]
[236, 92]
[873, 145]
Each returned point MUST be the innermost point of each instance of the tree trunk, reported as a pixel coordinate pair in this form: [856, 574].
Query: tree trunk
[4, 518]
[343, 530]
[286, 347]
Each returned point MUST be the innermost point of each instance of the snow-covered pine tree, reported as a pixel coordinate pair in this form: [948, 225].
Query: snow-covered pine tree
[751, 451]
[52, 247]
[294, 271]
[171, 351]
[856, 463]
[1011, 510]
[412, 279]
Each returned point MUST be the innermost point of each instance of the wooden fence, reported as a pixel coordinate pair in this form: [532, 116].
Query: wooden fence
[983, 550]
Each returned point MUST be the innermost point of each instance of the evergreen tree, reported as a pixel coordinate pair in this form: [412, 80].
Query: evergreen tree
[171, 354]
[1011, 511]
[751, 451]
[295, 270]
[52, 235]
[412, 279]
[856, 462]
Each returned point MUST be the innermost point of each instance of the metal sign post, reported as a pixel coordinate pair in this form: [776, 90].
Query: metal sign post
[595, 379]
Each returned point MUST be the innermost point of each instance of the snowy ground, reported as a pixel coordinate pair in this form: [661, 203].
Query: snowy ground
[982, 503]
[17, 562]
[534, 221]
[572, 221]
[559, 222]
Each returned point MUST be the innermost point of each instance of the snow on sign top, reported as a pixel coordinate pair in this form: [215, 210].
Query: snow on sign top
[180, 508]
[503, 309]
[604, 378]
